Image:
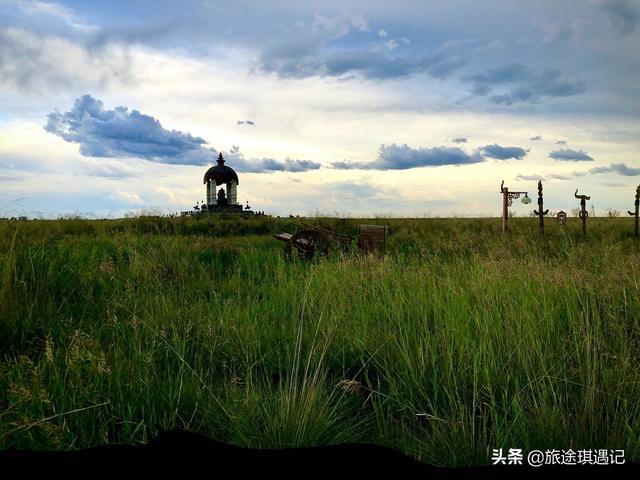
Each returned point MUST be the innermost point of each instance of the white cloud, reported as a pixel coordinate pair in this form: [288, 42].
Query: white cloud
[391, 44]
[127, 196]
[109, 169]
[55, 11]
[359, 22]
[50, 64]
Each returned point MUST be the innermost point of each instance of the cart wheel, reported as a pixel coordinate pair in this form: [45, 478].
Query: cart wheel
[309, 244]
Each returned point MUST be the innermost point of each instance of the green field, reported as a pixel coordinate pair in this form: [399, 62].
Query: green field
[457, 341]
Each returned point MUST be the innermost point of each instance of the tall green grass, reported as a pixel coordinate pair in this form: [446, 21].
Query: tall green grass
[457, 341]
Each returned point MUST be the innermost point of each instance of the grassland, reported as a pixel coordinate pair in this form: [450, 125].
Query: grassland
[457, 341]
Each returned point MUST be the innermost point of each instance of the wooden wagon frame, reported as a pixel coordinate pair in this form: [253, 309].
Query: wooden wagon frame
[312, 241]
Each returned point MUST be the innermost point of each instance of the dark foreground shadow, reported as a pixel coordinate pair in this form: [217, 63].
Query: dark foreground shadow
[181, 452]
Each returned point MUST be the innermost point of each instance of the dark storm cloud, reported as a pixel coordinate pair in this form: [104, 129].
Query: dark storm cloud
[236, 159]
[520, 84]
[624, 14]
[346, 165]
[338, 39]
[515, 72]
[124, 133]
[271, 165]
[619, 168]
[569, 155]
[503, 153]
[121, 133]
[343, 45]
[368, 64]
[403, 157]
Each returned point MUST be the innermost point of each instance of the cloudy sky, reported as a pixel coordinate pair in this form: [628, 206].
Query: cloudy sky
[335, 107]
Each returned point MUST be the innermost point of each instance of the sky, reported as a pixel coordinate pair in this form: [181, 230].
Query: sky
[348, 108]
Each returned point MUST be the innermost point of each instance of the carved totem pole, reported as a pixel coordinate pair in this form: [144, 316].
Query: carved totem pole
[540, 212]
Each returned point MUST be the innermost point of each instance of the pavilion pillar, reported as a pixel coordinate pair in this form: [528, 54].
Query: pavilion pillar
[505, 209]
[232, 193]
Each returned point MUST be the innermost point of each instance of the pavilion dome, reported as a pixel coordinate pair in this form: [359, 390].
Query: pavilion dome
[220, 173]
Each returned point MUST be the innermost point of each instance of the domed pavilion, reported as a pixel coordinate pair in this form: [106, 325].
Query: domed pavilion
[227, 197]
[224, 199]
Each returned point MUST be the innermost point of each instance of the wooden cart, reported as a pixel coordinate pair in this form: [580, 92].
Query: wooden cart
[314, 241]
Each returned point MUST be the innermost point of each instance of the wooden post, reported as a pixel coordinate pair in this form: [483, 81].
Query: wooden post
[583, 215]
[583, 211]
[540, 212]
[505, 207]
[635, 231]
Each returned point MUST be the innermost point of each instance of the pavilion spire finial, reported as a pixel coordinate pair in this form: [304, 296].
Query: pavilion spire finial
[220, 159]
